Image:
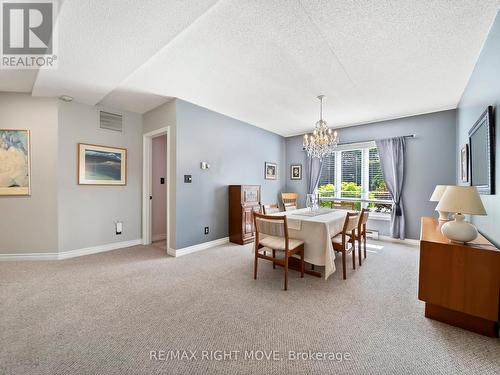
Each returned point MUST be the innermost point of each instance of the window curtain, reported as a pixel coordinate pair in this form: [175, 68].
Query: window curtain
[392, 159]
[313, 173]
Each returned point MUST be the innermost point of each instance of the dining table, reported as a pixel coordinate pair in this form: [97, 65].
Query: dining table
[316, 227]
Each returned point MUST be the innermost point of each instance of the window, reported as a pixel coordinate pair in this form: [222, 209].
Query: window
[351, 174]
[353, 177]
[377, 189]
[327, 181]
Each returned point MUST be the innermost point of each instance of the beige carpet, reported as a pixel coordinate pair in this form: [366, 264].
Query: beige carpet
[103, 314]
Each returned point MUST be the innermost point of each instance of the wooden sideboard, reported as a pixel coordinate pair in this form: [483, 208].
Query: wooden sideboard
[460, 284]
[244, 200]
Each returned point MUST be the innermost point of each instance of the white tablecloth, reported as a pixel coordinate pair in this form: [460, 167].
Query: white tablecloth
[316, 232]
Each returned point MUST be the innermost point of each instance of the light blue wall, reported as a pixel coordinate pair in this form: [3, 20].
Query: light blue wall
[430, 160]
[483, 90]
[236, 152]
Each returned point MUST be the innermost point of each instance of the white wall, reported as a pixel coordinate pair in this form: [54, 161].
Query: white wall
[29, 224]
[87, 213]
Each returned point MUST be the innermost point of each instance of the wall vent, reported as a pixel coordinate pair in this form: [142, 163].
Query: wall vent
[110, 121]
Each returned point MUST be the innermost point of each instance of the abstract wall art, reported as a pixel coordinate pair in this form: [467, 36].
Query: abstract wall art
[15, 162]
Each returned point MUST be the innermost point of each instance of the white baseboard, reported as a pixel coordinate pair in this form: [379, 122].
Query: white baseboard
[98, 249]
[70, 253]
[407, 241]
[159, 237]
[28, 256]
[199, 247]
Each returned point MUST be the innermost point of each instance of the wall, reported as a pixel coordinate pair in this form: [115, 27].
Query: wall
[159, 171]
[430, 160]
[87, 213]
[29, 224]
[236, 151]
[483, 90]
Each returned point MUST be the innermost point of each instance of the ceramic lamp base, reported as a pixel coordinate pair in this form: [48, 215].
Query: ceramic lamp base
[444, 216]
[459, 230]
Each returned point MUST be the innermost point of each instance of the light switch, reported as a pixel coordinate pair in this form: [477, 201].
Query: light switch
[119, 227]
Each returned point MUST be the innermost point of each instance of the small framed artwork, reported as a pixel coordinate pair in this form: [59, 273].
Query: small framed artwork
[464, 163]
[296, 172]
[101, 165]
[15, 162]
[270, 171]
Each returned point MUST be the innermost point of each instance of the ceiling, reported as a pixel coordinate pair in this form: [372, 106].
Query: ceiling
[263, 61]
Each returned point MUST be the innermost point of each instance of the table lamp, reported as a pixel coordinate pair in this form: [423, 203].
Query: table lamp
[436, 196]
[460, 200]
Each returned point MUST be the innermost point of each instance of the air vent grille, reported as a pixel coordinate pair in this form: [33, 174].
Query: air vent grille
[110, 121]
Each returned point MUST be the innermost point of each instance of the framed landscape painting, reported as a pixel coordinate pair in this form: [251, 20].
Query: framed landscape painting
[15, 162]
[270, 171]
[101, 165]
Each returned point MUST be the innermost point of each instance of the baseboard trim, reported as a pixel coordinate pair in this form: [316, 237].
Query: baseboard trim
[159, 237]
[70, 253]
[98, 249]
[407, 241]
[28, 257]
[196, 248]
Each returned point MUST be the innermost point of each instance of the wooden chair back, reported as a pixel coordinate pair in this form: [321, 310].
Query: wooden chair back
[350, 223]
[270, 208]
[289, 199]
[339, 205]
[363, 219]
[275, 226]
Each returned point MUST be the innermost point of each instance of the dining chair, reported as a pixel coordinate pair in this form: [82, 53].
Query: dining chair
[344, 241]
[289, 200]
[342, 205]
[360, 232]
[270, 208]
[271, 233]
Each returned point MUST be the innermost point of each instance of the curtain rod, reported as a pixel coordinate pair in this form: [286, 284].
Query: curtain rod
[373, 140]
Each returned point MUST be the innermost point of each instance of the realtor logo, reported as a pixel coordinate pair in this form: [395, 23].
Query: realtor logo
[28, 38]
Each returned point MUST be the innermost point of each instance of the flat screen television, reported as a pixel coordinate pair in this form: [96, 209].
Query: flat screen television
[482, 153]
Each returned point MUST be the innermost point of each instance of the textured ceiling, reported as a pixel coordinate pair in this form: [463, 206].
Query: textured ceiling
[102, 41]
[264, 62]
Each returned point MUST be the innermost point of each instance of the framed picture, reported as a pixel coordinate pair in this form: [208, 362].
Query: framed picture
[101, 165]
[270, 171]
[296, 172]
[15, 162]
[464, 163]
[482, 146]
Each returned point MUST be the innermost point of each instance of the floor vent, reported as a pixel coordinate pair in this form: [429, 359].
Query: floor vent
[110, 121]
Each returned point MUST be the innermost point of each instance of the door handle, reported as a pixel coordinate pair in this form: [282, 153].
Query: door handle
[150, 197]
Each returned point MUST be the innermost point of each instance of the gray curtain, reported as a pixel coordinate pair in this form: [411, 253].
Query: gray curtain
[313, 173]
[392, 160]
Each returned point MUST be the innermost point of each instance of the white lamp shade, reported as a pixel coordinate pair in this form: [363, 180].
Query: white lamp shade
[438, 193]
[461, 199]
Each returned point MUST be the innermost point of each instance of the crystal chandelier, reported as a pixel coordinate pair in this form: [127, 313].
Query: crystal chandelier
[322, 142]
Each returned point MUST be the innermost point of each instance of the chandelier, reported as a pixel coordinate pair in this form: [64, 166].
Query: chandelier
[322, 142]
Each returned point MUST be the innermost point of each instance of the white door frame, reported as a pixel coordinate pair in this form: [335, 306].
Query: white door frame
[147, 185]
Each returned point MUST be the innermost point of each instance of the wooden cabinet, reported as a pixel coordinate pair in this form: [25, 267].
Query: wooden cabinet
[460, 284]
[244, 200]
